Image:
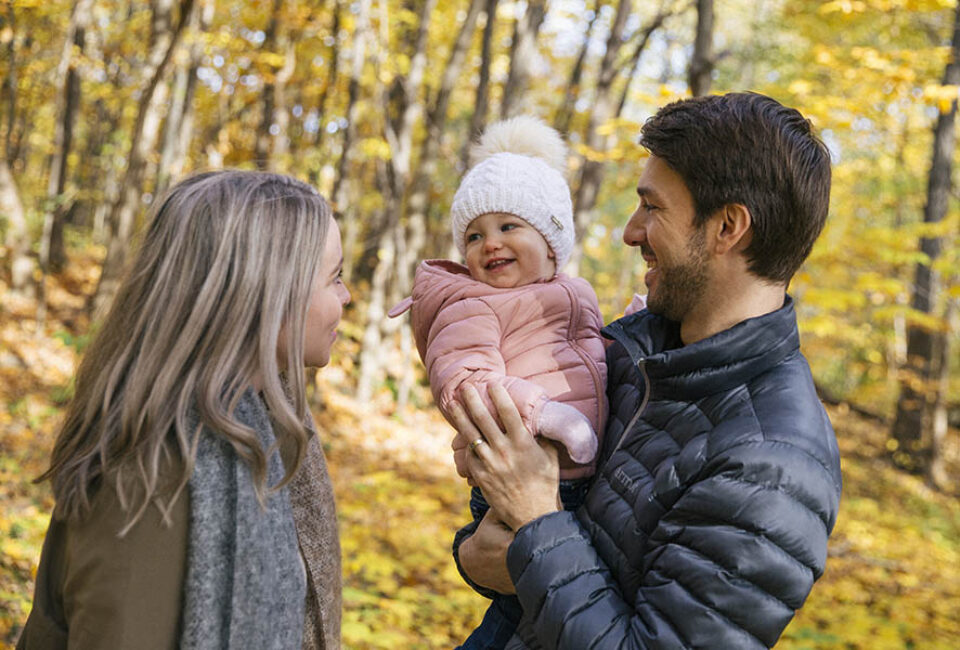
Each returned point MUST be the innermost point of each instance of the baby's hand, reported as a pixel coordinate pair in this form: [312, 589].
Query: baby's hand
[639, 302]
[570, 427]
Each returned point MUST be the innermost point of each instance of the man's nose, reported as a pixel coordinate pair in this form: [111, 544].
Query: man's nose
[635, 232]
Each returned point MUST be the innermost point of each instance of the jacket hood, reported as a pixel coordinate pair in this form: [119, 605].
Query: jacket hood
[714, 364]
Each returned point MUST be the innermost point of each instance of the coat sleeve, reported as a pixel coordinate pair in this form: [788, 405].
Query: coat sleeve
[463, 346]
[726, 566]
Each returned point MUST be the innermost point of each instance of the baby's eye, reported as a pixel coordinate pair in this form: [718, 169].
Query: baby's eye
[473, 236]
[508, 226]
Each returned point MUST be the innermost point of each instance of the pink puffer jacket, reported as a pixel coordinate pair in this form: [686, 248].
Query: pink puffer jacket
[541, 341]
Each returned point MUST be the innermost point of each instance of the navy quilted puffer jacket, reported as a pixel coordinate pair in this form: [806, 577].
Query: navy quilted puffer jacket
[708, 520]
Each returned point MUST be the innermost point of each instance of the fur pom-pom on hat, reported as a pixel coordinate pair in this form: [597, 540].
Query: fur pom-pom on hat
[518, 167]
[524, 135]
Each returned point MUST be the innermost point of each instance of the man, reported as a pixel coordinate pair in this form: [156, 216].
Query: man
[719, 477]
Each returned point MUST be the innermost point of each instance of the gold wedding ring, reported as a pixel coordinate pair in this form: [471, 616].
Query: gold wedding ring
[476, 443]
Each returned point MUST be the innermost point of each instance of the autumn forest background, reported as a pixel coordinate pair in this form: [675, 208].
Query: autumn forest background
[105, 103]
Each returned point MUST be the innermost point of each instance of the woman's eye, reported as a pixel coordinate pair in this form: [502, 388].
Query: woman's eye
[648, 207]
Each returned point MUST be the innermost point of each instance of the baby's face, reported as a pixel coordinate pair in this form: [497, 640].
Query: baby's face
[505, 251]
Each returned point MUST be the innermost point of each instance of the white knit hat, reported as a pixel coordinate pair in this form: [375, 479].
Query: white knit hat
[518, 168]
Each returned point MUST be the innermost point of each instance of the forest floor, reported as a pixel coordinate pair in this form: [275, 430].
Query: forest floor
[892, 579]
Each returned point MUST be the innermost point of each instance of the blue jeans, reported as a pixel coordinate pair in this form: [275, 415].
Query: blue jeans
[501, 619]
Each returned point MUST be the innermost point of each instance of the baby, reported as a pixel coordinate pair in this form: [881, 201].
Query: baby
[510, 317]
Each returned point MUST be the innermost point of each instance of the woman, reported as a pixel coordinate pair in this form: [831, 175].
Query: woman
[193, 504]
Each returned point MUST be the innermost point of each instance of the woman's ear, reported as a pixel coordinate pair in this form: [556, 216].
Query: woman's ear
[733, 229]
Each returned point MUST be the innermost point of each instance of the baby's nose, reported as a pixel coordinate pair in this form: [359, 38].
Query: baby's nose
[492, 243]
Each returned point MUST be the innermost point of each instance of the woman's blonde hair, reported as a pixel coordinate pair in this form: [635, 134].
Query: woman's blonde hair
[225, 269]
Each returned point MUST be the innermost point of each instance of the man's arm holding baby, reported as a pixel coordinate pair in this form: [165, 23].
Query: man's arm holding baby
[526, 485]
[482, 554]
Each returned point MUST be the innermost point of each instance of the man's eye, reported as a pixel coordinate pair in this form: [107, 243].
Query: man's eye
[649, 207]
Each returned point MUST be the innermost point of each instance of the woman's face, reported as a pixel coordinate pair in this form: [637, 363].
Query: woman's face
[327, 299]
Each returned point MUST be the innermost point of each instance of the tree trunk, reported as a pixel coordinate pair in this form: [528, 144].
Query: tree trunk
[701, 63]
[638, 50]
[482, 103]
[262, 146]
[897, 353]
[17, 238]
[523, 50]
[164, 39]
[370, 350]
[917, 392]
[591, 173]
[341, 183]
[418, 199]
[572, 91]
[280, 154]
[404, 106]
[52, 255]
[100, 172]
[937, 473]
[331, 84]
[178, 130]
[8, 96]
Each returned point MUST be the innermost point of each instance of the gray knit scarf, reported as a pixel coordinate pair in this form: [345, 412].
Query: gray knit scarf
[245, 585]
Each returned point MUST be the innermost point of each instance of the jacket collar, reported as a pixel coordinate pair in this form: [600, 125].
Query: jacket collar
[720, 362]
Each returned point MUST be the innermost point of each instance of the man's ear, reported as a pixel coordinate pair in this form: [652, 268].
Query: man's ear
[733, 229]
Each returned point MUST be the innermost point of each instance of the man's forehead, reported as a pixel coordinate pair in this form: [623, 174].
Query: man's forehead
[658, 180]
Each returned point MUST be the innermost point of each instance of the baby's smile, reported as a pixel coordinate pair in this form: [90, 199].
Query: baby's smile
[497, 263]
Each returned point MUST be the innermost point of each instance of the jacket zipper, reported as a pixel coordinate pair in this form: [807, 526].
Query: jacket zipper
[642, 367]
[587, 359]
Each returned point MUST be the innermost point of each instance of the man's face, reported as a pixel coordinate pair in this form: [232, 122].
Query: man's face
[673, 248]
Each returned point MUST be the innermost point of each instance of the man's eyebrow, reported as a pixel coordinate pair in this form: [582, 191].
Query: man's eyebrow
[643, 190]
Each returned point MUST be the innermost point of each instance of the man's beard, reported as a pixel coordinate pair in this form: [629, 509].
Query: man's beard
[681, 286]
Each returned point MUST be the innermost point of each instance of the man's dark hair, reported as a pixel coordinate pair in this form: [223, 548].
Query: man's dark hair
[750, 149]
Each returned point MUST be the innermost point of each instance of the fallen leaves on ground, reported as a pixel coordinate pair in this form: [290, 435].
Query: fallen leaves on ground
[892, 579]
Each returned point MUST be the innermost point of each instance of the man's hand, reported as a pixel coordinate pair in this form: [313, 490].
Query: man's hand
[519, 474]
[483, 555]
[460, 451]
